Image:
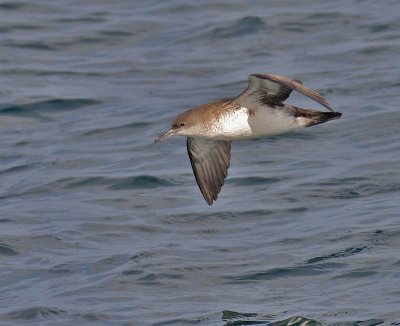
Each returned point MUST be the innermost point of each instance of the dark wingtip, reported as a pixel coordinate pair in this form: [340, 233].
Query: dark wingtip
[209, 198]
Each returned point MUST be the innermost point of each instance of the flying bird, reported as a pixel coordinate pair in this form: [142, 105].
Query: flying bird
[258, 111]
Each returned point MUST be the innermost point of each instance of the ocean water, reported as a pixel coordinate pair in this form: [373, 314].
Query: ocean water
[100, 226]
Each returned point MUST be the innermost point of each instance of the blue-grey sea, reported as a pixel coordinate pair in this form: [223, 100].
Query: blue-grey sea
[100, 226]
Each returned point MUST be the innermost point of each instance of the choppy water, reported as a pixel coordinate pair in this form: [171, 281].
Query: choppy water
[100, 226]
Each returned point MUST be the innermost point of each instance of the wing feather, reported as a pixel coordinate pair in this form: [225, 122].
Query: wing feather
[274, 89]
[210, 162]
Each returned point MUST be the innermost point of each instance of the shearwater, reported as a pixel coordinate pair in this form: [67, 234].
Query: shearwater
[258, 111]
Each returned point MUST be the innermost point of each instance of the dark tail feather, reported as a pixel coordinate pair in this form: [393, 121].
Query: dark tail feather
[309, 118]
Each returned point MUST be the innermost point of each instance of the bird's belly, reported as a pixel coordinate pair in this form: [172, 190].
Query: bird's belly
[244, 123]
[268, 122]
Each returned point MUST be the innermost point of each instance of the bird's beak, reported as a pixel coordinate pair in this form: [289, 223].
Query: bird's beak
[166, 134]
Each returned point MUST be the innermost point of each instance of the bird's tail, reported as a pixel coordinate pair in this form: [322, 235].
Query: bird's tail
[307, 118]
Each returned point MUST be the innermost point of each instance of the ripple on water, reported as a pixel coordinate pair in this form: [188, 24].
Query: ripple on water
[33, 313]
[6, 250]
[115, 183]
[233, 318]
[122, 130]
[241, 319]
[42, 110]
[55, 105]
[44, 314]
[17, 169]
[300, 270]
[241, 27]
[12, 5]
[251, 181]
[342, 253]
[352, 187]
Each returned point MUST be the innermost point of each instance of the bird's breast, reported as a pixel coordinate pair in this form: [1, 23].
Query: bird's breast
[232, 124]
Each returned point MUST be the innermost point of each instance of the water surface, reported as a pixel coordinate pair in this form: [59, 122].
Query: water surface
[100, 226]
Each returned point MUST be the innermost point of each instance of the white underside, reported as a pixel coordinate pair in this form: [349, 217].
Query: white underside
[241, 124]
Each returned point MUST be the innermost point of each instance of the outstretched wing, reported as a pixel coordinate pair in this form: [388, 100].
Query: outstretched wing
[210, 163]
[274, 89]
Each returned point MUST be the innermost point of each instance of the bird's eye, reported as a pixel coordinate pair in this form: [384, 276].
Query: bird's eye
[182, 124]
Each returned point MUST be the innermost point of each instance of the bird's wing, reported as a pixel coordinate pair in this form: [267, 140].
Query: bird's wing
[210, 163]
[267, 89]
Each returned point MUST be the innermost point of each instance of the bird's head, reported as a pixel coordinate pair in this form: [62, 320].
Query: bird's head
[184, 125]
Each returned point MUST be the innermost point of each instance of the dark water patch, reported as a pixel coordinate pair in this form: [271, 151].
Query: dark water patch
[80, 182]
[286, 272]
[42, 315]
[108, 264]
[77, 163]
[232, 215]
[117, 231]
[90, 40]
[202, 216]
[159, 278]
[140, 182]
[20, 27]
[233, 318]
[150, 279]
[67, 267]
[227, 215]
[244, 26]
[369, 322]
[354, 187]
[298, 27]
[308, 22]
[55, 72]
[226, 314]
[63, 104]
[385, 237]
[331, 16]
[117, 130]
[22, 112]
[343, 181]
[17, 168]
[251, 181]
[361, 273]
[326, 15]
[116, 33]
[12, 5]
[304, 135]
[171, 8]
[139, 257]
[87, 19]
[6, 250]
[37, 45]
[340, 254]
[297, 321]
[132, 272]
[53, 105]
[27, 7]
[33, 313]
[60, 271]
[377, 49]
[181, 321]
[379, 28]
[366, 190]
